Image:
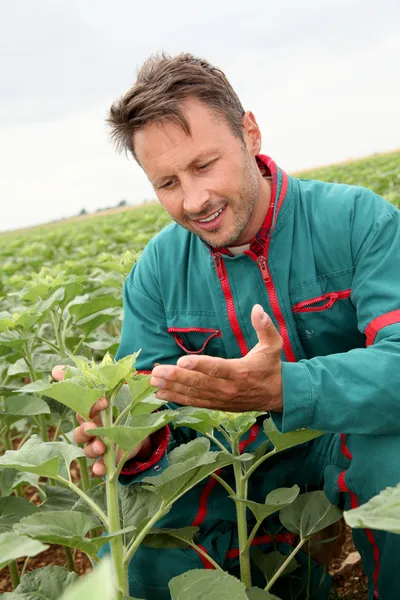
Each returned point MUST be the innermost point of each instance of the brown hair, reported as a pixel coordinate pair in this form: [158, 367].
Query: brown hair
[163, 82]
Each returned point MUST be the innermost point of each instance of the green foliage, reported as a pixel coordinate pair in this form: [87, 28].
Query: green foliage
[381, 512]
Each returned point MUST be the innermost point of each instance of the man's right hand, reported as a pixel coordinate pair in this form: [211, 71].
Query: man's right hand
[84, 434]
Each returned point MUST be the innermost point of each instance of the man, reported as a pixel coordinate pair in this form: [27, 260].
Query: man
[269, 293]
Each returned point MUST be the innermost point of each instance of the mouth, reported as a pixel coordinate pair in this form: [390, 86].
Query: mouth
[213, 221]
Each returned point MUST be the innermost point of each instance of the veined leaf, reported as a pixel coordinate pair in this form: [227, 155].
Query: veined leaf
[201, 584]
[63, 527]
[15, 546]
[381, 512]
[47, 583]
[189, 464]
[275, 500]
[129, 437]
[17, 407]
[71, 393]
[171, 538]
[41, 458]
[283, 441]
[309, 513]
[12, 510]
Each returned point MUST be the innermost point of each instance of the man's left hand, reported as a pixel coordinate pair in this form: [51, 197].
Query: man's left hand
[251, 383]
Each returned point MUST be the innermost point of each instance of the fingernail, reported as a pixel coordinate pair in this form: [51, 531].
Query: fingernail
[185, 363]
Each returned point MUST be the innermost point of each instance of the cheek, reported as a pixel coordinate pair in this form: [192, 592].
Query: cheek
[172, 203]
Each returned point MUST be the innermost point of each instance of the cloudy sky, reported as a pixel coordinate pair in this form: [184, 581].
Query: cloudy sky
[321, 76]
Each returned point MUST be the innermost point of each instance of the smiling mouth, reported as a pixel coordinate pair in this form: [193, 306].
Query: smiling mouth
[211, 217]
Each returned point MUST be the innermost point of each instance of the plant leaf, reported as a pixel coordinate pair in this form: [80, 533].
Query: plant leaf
[98, 585]
[12, 509]
[15, 546]
[201, 584]
[381, 512]
[189, 464]
[41, 458]
[275, 500]
[47, 583]
[58, 498]
[283, 441]
[71, 393]
[129, 437]
[171, 538]
[17, 407]
[270, 562]
[63, 527]
[309, 513]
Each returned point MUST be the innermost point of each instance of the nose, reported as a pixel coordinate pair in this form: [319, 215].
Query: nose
[195, 198]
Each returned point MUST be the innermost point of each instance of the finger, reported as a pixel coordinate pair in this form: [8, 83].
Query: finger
[98, 406]
[99, 468]
[94, 449]
[184, 400]
[267, 333]
[82, 433]
[58, 372]
[213, 366]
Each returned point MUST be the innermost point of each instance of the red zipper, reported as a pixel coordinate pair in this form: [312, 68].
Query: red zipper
[175, 330]
[330, 297]
[226, 289]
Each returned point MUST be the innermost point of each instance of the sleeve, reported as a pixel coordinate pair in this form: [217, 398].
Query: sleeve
[357, 391]
[144, 328]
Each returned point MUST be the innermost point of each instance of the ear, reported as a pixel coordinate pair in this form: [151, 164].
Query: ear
[252, 133]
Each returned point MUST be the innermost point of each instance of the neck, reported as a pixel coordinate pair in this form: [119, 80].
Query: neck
[259, 213]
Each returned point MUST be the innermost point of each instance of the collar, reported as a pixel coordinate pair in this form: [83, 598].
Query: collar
[268, 168]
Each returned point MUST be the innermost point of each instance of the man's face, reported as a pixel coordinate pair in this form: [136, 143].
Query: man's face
[195, 177]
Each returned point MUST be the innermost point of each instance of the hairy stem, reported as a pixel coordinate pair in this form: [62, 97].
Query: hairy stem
[284, 565]
[244, 554]
[133, 546]
[223, 483]
[206, 556]
[258, 463]
[116, 543]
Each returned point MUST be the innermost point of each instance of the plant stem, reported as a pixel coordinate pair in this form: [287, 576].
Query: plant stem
[241, 508]
[206, 556]
[284, 565]
[217, 442]
[70, 559]
[223, 483]
[13, 568]
[258, 463]
[43, 428]
[102, 516]
[253, 534]
[116, 543]
[118, 468]
[58, 334]
[133, 546]
[50, 344]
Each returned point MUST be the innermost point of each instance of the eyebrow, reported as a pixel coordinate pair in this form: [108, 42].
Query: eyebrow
[208, 156]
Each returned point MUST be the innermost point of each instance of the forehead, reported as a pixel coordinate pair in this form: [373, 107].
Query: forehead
[164, 144]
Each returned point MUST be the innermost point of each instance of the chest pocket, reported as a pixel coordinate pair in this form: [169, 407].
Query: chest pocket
[327, 324]
[197, 334]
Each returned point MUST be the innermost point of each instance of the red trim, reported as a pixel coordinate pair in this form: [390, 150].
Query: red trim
[206, 563]
[379, 323]
[354, 503]
[331, 297]
[179, 340]
[344, 449]
[252, 436]
[144, 372]
[160, 441]
[226, 289]
[287, 538]
[204, 496]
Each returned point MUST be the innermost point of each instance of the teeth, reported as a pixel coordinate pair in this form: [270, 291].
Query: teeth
[214, 216]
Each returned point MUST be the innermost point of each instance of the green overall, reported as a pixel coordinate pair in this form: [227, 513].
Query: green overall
[325, 267]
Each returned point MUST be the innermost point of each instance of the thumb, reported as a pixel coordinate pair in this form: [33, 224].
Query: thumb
[266, 331]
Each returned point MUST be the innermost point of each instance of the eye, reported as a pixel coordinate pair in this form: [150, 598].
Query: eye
[203, 167]
[166, 186]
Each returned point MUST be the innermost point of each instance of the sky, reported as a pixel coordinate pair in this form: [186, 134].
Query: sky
[322, 78]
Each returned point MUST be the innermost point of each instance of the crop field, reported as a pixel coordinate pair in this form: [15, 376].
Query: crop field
[60, 298]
